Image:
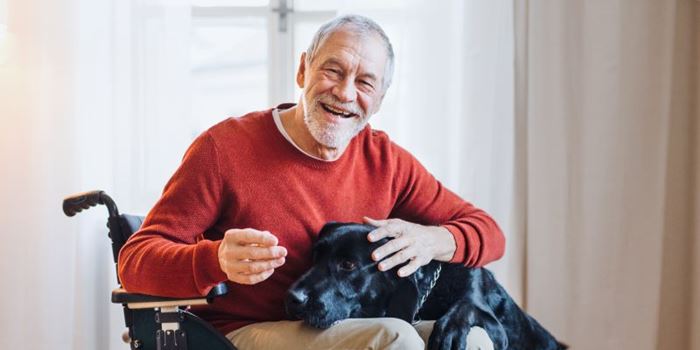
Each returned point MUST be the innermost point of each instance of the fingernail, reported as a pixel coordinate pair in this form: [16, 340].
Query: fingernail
[370, 237]
[382, 267]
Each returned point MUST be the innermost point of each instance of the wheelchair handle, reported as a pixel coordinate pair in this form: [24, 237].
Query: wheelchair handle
[78, 202]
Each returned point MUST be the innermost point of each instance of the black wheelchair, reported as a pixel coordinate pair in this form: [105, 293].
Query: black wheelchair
[154, 323]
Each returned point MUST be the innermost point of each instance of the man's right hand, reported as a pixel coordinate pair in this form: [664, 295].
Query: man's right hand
[249, 256]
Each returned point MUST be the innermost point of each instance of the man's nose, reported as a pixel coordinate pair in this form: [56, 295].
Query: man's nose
[345, 90]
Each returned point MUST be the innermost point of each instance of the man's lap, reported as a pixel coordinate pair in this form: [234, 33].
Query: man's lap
[370, 333]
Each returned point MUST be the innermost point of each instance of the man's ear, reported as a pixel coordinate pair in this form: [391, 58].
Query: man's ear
[301, 72]
[403, 303]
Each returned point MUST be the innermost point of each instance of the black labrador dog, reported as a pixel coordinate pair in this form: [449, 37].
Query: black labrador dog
[344, 282]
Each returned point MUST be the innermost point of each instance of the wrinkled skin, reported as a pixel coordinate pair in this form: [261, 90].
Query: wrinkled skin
[344, 282]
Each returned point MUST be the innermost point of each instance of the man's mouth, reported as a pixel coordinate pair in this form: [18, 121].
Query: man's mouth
[337, 111]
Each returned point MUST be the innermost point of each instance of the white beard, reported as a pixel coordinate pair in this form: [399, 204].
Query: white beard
[331, 135]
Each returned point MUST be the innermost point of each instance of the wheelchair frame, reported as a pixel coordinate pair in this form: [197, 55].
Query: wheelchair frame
[154, 323]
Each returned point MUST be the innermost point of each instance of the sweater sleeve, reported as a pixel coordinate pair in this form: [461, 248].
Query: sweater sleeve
[166, 257]
[423, 199]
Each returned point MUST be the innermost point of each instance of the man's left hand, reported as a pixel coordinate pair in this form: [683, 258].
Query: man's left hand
[417, 244]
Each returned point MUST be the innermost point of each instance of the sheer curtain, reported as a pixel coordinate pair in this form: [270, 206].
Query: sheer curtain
[77, 80]
[95, 94]
[591, 168]
[451, 104]
[608, 93]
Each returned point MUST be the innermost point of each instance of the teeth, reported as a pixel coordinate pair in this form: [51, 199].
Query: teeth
[338, 111]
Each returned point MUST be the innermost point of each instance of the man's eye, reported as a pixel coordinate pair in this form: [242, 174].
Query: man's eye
[347, 265]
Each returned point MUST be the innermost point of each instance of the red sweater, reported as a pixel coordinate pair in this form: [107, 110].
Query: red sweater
[243, 173]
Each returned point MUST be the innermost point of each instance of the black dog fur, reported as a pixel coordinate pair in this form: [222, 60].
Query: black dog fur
[345, 283]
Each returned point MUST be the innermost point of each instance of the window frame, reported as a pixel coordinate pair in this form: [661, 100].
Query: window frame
[282, 58]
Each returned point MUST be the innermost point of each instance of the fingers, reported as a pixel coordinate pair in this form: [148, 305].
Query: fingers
[252, 279]
[250, 272]
[391, 247]
[411, 267]
[403, 249]
[256, 267]
[251, 236]
[243, 252]
[409, 245]
[374, 222]
[385, 228]
[399, 258]
[249, 256]
[252, 244]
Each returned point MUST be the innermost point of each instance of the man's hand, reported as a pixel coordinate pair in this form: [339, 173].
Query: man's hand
[415, 243]
[250, 256]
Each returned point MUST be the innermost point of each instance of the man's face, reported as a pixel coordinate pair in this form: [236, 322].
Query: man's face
[342, 86]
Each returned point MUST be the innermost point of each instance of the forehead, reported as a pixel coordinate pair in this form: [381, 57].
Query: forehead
[363, 51]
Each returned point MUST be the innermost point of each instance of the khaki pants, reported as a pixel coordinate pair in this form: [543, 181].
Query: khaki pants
[350, 334]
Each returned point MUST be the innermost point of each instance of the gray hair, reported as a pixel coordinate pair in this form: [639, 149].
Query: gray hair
[363, 25]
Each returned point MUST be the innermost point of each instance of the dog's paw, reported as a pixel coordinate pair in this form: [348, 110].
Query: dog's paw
[466, 327]
[449, 333]
[478, 339]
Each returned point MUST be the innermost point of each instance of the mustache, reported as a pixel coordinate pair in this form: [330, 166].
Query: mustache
[351, 107]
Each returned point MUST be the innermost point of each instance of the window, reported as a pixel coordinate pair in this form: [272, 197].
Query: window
[245, 53]
[192, 65]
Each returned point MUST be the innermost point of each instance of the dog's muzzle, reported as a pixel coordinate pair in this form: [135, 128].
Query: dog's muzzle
[294, 303]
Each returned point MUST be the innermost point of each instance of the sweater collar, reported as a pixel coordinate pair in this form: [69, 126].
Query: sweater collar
[307, 158]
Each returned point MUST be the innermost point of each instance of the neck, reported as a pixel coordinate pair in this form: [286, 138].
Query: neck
[293, 122]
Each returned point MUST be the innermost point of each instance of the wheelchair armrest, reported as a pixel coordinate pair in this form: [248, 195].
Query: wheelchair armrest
[142, 301]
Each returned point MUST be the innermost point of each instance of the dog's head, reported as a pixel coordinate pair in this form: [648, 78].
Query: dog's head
[344, 282]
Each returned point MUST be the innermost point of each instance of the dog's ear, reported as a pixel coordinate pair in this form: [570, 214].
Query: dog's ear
[403, 303]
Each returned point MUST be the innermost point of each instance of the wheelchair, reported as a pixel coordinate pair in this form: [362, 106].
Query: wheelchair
[154, 323]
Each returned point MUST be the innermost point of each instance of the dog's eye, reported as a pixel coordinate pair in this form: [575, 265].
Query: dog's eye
[347, 265]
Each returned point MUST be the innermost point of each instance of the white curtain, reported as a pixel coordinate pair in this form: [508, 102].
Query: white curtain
[77, 78]
[608, 95]
[451, 104]
[94, 94]
[584, 149]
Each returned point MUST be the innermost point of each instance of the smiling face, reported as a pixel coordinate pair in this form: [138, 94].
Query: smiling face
[343, 86]
[343, 282]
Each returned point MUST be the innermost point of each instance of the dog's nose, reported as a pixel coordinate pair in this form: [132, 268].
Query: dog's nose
[298, 297]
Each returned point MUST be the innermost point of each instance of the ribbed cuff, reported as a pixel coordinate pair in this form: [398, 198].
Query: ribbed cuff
[207, 271]
[460, 244]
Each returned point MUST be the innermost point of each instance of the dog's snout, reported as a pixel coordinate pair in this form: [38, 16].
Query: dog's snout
[298, 297]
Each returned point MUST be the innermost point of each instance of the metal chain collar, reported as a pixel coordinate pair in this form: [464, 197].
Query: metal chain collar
[433, 282]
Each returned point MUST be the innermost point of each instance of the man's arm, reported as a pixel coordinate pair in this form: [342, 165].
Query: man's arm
[432, 223]
[167, 256]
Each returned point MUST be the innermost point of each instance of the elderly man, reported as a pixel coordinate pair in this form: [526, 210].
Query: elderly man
[252, 193]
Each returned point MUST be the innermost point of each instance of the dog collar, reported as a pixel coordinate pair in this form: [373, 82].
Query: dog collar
[433, 282]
